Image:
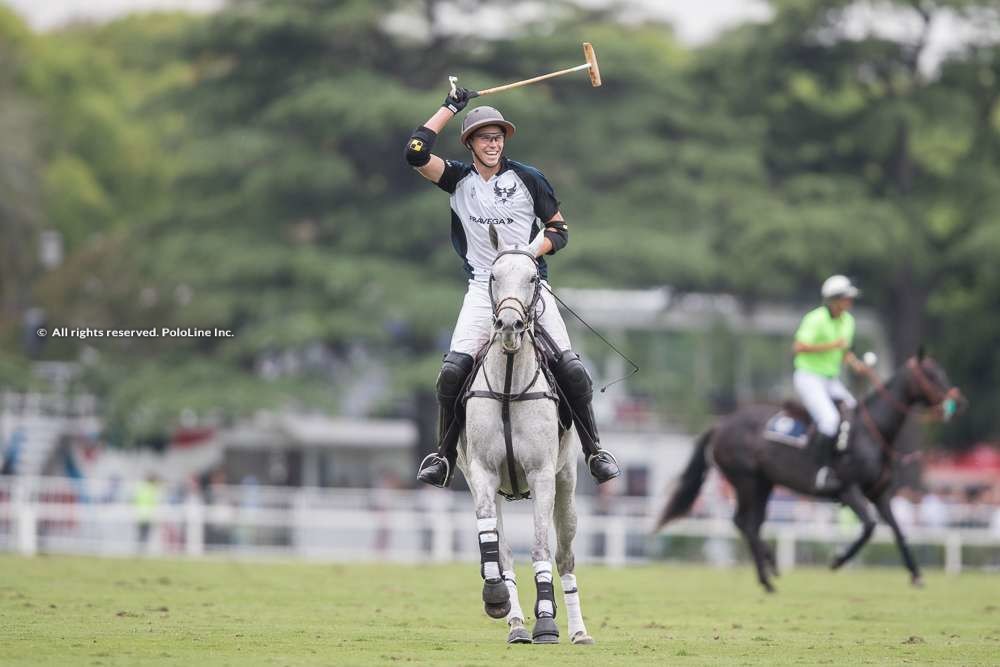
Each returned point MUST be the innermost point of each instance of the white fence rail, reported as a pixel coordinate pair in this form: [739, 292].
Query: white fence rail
[56, 515]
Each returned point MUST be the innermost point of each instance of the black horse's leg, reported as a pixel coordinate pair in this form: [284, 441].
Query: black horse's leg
[764, 488]
[853, 498]
[885, 509]
[747, 520]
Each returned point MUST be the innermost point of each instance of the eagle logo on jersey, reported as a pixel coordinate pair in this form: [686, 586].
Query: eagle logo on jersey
[503, 195]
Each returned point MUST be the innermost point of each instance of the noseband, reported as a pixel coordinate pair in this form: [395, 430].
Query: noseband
[526, 311]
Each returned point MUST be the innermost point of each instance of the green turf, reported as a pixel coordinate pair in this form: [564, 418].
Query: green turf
[80, 611]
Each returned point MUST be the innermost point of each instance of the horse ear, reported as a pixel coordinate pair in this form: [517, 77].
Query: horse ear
[494, 239]
[921, 353]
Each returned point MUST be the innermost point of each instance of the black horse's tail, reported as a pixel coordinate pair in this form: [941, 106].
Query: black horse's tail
[691, 480]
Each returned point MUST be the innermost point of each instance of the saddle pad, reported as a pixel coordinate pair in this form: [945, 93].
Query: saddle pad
[787, 430]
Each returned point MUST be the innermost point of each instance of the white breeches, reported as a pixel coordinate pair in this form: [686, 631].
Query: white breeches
[817, 394]
[475, 322]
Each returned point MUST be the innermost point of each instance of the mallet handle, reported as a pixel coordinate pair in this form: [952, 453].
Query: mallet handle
[518, 84]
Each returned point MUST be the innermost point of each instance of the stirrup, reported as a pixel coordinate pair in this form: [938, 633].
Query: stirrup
[447, 468]
[607, 460]
[598, 453]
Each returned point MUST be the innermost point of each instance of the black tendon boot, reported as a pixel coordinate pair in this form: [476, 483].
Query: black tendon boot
[821, 446]
[573, 379]
[438, 469]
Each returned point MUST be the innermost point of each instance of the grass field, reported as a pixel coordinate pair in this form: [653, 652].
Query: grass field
[80, 611]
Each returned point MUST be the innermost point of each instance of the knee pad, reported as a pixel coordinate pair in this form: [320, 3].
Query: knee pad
[454, 371]
[572, 376]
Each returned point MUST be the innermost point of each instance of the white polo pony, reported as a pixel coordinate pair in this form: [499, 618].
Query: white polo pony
[511, 446]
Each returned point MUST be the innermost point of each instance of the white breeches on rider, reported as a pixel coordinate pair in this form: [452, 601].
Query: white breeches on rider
[817, 393]
[475, 322]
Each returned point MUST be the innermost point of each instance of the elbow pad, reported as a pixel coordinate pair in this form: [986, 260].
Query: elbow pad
[419, 145]
[557, 232]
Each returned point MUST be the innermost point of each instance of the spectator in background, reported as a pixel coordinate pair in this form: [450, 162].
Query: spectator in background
[147, 497]
[994, 500]
[933, 512]
[220, 510]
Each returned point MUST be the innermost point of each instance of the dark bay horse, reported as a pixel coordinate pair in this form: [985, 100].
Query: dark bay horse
[753, 464]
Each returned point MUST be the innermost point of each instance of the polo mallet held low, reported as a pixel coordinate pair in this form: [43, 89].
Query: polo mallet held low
[590, 66]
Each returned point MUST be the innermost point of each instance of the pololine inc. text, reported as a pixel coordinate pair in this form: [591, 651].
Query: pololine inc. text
[162, 332]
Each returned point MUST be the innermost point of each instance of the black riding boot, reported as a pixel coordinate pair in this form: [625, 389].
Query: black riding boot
[438, 469]
[821, 447]
[573, 379]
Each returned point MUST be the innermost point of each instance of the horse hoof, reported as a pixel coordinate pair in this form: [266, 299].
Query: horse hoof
[582, 638]
[546, 631]
[497, 610]
[495, 593]
[917, 582]
[519, 636]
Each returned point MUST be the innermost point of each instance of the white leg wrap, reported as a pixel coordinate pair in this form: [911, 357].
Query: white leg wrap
[543, 572]
[572, 600]
[488, 533]
[515, 603]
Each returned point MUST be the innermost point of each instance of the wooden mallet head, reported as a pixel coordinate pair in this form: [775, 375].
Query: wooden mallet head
[594, 71]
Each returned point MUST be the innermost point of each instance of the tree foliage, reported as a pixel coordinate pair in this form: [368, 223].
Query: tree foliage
[243, 171]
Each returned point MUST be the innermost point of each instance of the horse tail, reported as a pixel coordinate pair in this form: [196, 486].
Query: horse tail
[691, 480]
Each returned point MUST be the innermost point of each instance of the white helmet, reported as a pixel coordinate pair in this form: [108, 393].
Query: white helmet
[839, 286]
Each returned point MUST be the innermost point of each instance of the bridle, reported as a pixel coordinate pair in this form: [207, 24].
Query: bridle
[526, 312]
[941, 403]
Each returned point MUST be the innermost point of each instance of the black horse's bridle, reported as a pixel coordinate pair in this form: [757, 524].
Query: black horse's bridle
[942, 403]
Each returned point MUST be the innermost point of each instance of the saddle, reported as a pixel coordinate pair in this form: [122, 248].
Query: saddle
[792, 425]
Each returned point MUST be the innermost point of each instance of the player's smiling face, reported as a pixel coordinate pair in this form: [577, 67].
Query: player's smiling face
[487, 145]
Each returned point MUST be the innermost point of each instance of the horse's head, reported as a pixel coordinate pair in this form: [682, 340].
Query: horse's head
[927, 384]
[514, 289]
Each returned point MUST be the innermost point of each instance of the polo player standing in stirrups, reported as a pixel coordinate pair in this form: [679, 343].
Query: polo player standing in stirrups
[517, 200]
[822, 345]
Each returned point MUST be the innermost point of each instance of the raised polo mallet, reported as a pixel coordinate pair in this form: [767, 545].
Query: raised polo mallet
[590, 65]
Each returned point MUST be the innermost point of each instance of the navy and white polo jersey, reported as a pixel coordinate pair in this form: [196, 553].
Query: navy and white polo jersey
[517, 200]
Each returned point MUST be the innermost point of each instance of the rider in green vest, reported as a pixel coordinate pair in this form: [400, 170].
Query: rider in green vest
[822, 345]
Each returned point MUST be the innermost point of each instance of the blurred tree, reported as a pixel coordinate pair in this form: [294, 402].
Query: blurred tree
[243, 172]
[20, 203]
[881, 167]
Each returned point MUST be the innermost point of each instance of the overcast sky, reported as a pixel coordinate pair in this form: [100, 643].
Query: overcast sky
[696, 21]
